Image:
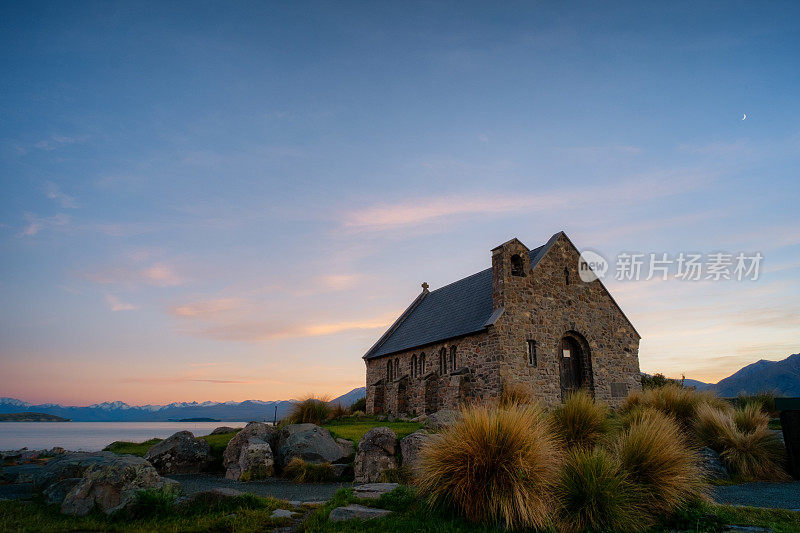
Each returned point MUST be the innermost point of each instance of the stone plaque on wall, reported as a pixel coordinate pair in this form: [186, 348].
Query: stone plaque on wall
[619, 390]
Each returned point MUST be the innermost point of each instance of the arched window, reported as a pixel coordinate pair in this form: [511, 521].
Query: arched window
[566, 276]
[414, 366]
[422, 364]
[517, 268]
[389, 370]
[443, 361]
[396, 368]
[452, 359]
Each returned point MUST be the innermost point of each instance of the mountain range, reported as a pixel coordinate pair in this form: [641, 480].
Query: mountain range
[122, 412]
[779, 377]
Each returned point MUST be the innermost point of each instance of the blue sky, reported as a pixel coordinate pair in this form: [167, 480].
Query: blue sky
[214, 201]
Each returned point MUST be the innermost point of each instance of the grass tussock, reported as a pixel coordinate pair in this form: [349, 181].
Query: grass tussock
[675, 401]
[749, 449]
[338, 411]
[301, 471]
[493, 465]
[311, 410]
[750, 418]
[514, 394]
[581, 421]
[654, 455]
[596, 495]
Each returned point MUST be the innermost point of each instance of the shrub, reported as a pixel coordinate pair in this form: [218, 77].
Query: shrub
[152, 502]
[659, 380]
[659, 463]
[514, 394]
[303, 472]
[337, 411]
[750, 418]
[401, 475]
[493, 465]
[581, 421]
[359, 405]
[595, 494]
[309, 411]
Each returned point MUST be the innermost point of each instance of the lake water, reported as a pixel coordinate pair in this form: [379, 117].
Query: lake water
[93, 436]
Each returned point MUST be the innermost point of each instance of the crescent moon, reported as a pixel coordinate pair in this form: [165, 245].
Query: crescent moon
[744, 116]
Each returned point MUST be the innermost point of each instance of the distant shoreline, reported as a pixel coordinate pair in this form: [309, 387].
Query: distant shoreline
[31, 417]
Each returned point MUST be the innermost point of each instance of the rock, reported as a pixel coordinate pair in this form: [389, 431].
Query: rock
[347, 446]
[180, 453]
[375, 454]
[56, 492]
[310, 443]
[442, 418]
[373, 491]
[223, 429]
[111, 484]
[340, 514]
[249, 454]
[70, 465]
[712, 465]
[420, 418]
[24, 473]
[342, 470]
[282, 513]
[410, 447]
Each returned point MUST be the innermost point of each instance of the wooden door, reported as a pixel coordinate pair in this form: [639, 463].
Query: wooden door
[571, 365]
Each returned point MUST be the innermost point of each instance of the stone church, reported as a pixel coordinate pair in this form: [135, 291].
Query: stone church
[529, 320]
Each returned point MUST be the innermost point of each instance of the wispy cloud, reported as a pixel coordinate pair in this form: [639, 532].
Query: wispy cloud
[419, 211]
[267, 331]
[56, 141]
[52, 191]
[35, 224]
[118, 305]
[157, 274]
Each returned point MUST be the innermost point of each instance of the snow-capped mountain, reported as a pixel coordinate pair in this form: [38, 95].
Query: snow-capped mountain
[122, 412]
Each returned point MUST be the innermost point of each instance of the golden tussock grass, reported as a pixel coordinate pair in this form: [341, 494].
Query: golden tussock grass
[493, 465]
[581, 421]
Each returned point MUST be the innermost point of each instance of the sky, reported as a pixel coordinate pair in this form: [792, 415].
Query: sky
[228, 201]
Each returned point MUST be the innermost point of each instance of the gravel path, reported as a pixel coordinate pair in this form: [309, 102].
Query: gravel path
[277, 488]
[775, 495]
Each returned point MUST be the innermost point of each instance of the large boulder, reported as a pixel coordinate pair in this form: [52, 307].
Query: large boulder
[70, 465]
[111, 484]
[310, 443]
[410, 446]
[249, 454]
[441, 419]
[712, 464]
[376, 453]
[180, 453]
[222, 430]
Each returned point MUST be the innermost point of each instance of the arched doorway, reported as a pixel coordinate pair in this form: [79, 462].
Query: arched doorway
[431, 393]
[574, 364]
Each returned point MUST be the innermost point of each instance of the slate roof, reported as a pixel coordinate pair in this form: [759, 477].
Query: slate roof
[457, 309]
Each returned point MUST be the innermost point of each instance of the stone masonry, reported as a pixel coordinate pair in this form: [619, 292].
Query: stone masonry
[536, 311]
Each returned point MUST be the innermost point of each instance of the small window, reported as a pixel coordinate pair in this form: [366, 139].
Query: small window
[452, 359]
[566, 276]
[443, 361]
[414, 366]
[396, 368]
[421, 371]
[532, 353]
[517, 268]
[389, 370]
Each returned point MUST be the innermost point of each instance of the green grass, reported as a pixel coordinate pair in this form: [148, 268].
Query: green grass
[241, 514]
[218, 444]
[122, 447]
[355, 428]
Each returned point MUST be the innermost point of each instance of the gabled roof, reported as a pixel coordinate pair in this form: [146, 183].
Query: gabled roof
[455, 310]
